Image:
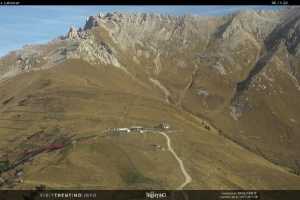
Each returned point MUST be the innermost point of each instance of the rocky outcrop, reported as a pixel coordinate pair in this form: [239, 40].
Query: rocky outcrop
[257, 24]
[73, 33]
[96, 53]
[91, 22]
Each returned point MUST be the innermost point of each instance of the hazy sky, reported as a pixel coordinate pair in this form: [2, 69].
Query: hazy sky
[20, 25]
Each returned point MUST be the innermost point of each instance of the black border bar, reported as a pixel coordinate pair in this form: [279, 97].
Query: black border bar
[150, 194]
[148, 2]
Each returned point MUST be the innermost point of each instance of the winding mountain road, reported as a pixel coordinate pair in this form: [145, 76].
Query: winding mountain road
[187, 177]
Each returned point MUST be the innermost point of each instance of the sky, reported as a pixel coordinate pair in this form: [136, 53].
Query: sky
[21, 25]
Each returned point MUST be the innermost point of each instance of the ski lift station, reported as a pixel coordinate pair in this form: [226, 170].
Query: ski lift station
[139, 129]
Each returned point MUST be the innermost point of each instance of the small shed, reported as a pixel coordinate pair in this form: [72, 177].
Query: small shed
[164, 126]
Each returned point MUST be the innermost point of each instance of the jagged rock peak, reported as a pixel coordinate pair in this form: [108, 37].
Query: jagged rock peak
[91, 21]
[133, 18]
[72, 33]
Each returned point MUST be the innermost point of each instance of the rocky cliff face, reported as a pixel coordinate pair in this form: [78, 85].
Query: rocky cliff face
[241, 72]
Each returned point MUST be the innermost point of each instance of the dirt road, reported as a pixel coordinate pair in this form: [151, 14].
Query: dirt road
[187, 177]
